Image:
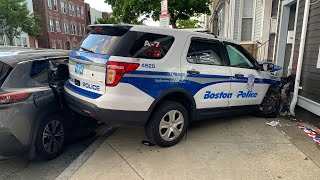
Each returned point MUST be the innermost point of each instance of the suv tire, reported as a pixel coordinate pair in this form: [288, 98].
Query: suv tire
[271, 104]
[167, 124]
[51, 137]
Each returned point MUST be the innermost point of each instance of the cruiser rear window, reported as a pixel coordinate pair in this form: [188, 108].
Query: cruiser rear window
[126, 43]
[4, 72]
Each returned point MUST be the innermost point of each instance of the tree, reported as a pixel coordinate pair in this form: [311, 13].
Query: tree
[17, 19]
[187, 24]
[129, 10]
[107, 20]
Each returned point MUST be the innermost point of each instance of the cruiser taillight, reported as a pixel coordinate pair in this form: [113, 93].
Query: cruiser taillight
[115, 71]
[13, 97]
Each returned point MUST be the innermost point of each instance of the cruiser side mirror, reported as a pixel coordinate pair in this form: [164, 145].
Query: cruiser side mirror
[267, 66]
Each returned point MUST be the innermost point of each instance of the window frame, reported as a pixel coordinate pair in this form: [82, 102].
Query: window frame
[55, 5]
[246, 54]
[58, 27]
[51, 25]
[63, 7]
[241, 18]
[213, 41]
[82, 12]
[49, 3]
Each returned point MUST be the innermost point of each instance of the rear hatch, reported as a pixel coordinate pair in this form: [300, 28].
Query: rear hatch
[88, 61]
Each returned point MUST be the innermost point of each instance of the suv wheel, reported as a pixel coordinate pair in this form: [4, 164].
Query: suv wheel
[50, 137]
[271, 104]
[168, 124]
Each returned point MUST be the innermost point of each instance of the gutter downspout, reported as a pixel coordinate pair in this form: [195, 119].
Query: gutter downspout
[294, 40]
[297, 86]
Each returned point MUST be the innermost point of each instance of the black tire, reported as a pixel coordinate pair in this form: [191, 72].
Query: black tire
[47, 134]
[271, 104]
[161, 113]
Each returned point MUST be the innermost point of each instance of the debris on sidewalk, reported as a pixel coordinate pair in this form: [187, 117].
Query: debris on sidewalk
[147, 143]
[314, 134]
[272, 123]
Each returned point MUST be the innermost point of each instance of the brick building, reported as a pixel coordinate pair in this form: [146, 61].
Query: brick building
[63, 23]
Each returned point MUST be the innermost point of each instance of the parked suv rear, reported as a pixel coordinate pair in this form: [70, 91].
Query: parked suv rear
[163, 79]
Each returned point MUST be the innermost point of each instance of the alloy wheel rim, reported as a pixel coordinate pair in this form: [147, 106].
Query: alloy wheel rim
[269, 104]
[53, 136]
[171, 125]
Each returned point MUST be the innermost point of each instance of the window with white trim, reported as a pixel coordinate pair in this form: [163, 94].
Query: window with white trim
[70, 9]
[53, 44]
[220, 22]
[84, 32]
[55, 4]
[63, 7]
[51, 25]
[78, 11]
[59, 45]
[80, 29]
[247, 20]
[82, 12]
[66, 27]
[73, 10]
[75, 29]
[49, 4]
[58, 26]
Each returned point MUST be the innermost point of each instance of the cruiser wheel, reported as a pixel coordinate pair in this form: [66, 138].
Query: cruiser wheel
[271, 104]
[168, 124]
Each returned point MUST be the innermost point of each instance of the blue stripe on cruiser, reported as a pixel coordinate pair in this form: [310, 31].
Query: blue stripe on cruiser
[82, 92]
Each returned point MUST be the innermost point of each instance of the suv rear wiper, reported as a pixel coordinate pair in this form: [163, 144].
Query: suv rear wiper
[87, 49]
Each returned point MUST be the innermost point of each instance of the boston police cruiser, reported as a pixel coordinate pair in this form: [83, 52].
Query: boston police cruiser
[165, 79]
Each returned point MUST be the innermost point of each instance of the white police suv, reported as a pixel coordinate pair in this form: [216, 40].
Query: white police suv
[164, 79]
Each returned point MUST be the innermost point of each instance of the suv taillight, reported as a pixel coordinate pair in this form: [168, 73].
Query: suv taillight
[13, 97]
[115, 71]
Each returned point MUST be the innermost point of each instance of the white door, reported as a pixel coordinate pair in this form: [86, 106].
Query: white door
[249, 85]
[205, 73]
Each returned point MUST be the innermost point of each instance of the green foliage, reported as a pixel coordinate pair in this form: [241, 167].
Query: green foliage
[108, 20]
[187, 24]
[17, 19]
[129, 10]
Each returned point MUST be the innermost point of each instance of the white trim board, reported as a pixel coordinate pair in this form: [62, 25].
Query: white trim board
[309, 105]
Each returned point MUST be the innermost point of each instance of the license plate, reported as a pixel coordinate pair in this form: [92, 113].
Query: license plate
[79, 68]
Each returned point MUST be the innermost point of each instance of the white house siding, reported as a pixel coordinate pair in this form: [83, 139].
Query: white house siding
[258, 21]
[95, 15]
[236, 20]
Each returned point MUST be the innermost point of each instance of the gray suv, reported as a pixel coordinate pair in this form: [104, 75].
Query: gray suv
[31, 84]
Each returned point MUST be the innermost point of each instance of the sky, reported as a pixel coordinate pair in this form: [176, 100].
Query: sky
[104, 7]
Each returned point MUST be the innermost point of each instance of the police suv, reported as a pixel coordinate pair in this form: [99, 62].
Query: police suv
[164, 79]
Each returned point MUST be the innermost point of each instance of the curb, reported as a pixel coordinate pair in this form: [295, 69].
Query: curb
[85, 155]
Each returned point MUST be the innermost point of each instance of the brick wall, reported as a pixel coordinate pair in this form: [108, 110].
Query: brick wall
[57, 37]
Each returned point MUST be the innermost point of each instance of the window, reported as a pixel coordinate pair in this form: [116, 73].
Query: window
[247, 20]
[18, 41]
[59, 45]
[84, 30]
[151, 46]
[66, 27]
[39, 71]
[49, 4]
[204, 52]
[73, 10]
[5, 70]
[220, 22]
[78, 11]
[82, 12]
[24, 42]
[63, 7]
[70, 9]
[75, 29]
[55, 4]
[80, 29]
[53, 45]
[51, 25]
[238, 58]
[58, 26]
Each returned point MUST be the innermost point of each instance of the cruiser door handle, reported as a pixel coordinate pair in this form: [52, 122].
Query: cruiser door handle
[193, 72]
[239, 75]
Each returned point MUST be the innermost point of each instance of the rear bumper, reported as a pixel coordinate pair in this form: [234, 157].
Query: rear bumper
[9, 145]
[110, 117]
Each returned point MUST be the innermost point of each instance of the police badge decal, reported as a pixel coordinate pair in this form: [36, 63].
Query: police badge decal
[250, 83]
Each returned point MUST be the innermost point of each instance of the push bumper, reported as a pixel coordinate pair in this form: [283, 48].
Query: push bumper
[110, 117]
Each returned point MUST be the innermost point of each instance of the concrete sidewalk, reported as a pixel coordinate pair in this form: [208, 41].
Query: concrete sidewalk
[234, 148]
